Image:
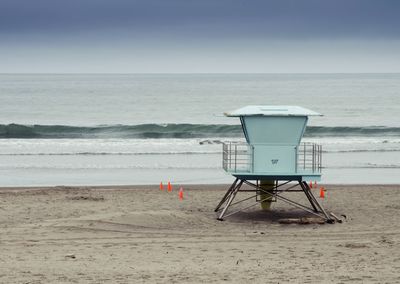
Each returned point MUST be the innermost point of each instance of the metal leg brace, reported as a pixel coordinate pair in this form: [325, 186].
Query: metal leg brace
[226, 196]
[230, 195]
[234, 190]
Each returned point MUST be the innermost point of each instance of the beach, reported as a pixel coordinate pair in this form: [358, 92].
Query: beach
[139, 234]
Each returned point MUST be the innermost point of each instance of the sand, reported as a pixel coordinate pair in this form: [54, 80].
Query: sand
[139, 234]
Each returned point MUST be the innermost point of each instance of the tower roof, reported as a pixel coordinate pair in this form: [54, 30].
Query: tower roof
[269, 110]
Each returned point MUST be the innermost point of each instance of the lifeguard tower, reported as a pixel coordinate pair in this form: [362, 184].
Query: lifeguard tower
[272, 158]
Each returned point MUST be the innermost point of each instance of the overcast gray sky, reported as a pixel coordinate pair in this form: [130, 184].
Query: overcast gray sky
[179, 36]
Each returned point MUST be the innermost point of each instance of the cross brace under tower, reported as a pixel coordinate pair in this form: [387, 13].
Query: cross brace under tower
[315, 209]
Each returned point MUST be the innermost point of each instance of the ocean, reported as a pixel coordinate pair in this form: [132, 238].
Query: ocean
[121, 129]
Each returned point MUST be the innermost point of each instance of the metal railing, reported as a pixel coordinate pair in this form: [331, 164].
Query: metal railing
[237, 157]
[309, 157]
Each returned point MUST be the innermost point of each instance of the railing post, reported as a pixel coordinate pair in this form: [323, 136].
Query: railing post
[235, 157]
[313, 157]
[225, 156]
[320, 158]
[230, 155]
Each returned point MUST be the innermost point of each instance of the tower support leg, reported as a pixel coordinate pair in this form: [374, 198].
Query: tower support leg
[305, 187]
[308, 193]
[227, 194]
[231, 197]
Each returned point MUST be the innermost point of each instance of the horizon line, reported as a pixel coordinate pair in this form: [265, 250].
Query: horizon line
[193, 73]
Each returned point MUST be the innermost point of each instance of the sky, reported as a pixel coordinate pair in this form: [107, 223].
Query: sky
[199, 36]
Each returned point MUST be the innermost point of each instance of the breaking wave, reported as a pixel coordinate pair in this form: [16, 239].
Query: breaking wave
[375, 131]
[155, 131]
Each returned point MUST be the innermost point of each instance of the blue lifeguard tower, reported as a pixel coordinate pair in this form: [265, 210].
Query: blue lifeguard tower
[272, 158]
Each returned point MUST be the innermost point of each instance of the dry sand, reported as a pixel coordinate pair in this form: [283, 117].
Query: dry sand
[139, 234]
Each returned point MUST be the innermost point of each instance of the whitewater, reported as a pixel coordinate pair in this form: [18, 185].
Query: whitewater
[95, 129]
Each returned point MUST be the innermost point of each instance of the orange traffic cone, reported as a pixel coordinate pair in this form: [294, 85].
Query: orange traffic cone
[180, 194]
[315, 184]
[310, 184]
[169, 187]
[322, 192]
[161, 186]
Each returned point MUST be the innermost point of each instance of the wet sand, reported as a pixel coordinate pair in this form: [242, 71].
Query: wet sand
[139, 234]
